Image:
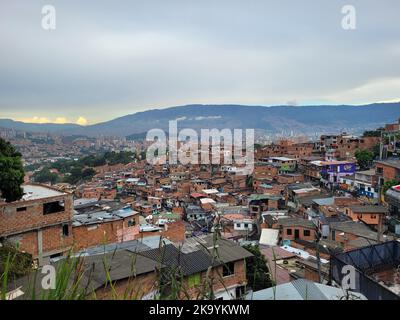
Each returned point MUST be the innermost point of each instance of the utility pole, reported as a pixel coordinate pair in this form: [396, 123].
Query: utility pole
[318, 238]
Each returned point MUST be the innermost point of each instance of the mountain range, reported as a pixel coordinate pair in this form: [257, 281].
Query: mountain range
[271, 120]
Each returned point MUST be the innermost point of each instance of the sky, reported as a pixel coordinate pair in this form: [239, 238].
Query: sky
[106, 59]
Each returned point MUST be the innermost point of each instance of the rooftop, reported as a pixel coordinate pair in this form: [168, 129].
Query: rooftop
[301, 289]
[101, 216]
[356, 228]
[282, 158]
[288, 222]
[395, 163]
[369, 209]
[35, 192]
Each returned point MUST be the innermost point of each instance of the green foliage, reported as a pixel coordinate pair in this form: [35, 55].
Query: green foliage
[111, 158]
[364, 158]
[372, 133]
[82, 169]
[11, 172]
[14, 262]
[79, 174]
[88, 173]
[376, 150]
[45, 176]
[69, 281]
[258, 275]
[388, 184]
[249, 181]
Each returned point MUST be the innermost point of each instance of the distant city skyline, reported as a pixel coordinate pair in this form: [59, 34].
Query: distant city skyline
[105, 59]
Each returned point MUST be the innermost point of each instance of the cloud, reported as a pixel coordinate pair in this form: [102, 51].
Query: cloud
[135, 56]
[206, 118]
[61, 120]
[180, 119]
[36, 120]
[378, 90]
[82, 121]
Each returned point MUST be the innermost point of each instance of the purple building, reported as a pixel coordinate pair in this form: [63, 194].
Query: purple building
[333, 170]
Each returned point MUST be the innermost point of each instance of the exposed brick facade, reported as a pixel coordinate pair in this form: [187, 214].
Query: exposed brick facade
[41, 227]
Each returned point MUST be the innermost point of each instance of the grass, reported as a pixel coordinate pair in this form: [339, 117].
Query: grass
[74, 278]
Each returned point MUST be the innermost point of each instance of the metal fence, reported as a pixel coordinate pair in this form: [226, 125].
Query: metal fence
[367, 261]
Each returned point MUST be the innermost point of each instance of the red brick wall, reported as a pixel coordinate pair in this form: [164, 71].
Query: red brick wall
[52, 240]
[175, 231]
[12, 222]
[389, 173]
[218, 282]
[284, 234]
[106, 232]
[92, 235]
[135, 288]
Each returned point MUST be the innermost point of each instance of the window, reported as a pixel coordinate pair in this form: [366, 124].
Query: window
[194, 280]
[306, 233]
[65, 230]
[289, 232]
[228, 269]
[131, 223]
[237, 225]
[373, 216]
[53, 207]
[21, 209]
[246, 225]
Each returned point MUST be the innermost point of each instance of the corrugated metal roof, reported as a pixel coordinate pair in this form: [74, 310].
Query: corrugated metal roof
[198, 254]
[308, 290]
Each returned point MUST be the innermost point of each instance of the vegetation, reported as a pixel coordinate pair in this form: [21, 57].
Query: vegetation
[388, 184]
[11, 172]
[79, 174]
[372, 133]
[258, 275]
[376, 150]
[45, 176]
[249, 181]
[72, 283]
[82, 169]
[14, 262]
[364, 158]
[111, 158]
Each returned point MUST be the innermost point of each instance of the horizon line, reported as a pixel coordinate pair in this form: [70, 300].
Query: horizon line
[199, 104]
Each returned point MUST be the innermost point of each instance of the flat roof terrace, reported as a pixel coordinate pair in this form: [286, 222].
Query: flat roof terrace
[35, 192]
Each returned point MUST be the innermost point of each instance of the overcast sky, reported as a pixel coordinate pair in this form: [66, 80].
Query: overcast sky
[111, 58]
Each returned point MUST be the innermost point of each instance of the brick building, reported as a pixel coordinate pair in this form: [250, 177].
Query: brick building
[387, 170]
[369, 214]
[40, 223]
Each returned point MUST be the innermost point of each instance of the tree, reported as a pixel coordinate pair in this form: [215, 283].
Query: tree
[258, 275]
[249, 181]
[388, 184]
[364, 158]
[376, 150]
[78, 174]
[88, 173]
[45, 176]
[373, 133]
[11, 172]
